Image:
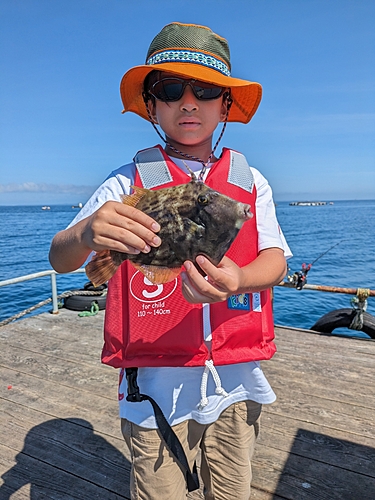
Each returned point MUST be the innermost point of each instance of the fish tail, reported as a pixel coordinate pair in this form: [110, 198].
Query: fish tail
[101, 268]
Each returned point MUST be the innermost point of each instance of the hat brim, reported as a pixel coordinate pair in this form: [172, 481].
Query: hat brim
[246, 95]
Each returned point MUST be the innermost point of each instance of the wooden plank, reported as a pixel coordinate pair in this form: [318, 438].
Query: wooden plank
[65, 337]
[72, 444]
[324, 351]
[17, 419]
[62, 401]
[41, 393]
[71, 373]
[259, 494]
[345, 369]
[297, 478]
[332, 389]
[311, 441]
[337, 415]
[46, 438]
[14, 478]
[50, 481]
[324, 347]
[61, 326]
[317, 440]
[36, 362]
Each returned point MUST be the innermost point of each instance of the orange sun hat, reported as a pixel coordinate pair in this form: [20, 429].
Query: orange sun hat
[191, 51]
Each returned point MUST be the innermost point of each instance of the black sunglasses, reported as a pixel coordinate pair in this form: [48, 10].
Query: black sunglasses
[172, 89]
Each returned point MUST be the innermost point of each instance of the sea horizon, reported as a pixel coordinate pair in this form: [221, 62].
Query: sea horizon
[75, 204]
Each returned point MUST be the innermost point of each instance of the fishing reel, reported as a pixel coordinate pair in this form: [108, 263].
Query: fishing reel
[299, 278]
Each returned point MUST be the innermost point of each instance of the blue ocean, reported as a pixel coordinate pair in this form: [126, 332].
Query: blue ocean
[347, 226]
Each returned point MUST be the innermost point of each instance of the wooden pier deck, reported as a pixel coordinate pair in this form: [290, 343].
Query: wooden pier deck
[60, 435]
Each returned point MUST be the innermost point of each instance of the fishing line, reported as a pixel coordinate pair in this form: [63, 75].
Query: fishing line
[321, 255]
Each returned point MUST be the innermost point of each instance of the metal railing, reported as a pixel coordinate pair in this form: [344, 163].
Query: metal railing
[331, 289]
[41, 274]
[55, 308]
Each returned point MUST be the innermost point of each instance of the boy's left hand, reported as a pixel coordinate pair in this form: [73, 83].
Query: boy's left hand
[227, 279]
[221, 282]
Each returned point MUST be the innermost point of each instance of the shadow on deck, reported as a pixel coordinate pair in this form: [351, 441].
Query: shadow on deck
[60, 433]
[64, 458]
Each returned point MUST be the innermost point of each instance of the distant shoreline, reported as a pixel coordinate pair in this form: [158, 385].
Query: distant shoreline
[70, 205]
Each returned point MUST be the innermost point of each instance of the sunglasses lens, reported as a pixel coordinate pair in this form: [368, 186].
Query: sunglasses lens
[207, 92]
[171, 89]
[168, 89]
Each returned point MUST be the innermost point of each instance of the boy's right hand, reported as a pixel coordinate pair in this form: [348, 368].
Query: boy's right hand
[120, 227]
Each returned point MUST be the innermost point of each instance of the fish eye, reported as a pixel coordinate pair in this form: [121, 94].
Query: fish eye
[202, 199]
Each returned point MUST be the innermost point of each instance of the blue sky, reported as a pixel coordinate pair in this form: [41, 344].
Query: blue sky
[61, 62]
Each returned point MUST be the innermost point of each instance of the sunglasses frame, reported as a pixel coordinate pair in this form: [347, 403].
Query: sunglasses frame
[193, 84]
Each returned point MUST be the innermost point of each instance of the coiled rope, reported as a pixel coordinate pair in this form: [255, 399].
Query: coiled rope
[359, 304]
[64, 295]
[93, 310]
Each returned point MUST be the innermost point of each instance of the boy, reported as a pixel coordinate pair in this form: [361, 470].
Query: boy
[199, 356]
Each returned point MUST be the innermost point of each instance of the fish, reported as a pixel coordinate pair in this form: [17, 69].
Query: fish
[194, 220]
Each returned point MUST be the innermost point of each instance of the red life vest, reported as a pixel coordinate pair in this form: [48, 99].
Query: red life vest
[153, 325]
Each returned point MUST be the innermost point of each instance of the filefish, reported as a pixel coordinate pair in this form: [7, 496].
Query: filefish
[194, 220]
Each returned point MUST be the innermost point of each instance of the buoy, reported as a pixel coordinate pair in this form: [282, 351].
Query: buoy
[343, 318]
[77, 302]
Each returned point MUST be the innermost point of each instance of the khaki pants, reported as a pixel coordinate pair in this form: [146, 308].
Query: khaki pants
[227, 447]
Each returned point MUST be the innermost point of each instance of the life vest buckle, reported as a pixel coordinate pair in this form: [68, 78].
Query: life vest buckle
[133, 390]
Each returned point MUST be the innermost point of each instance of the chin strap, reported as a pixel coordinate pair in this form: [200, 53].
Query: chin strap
[205, 164]
[169, 437]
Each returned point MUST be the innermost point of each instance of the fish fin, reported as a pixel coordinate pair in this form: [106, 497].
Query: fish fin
[101, 268]
[158, 275]
[191, 172]
[133, 199]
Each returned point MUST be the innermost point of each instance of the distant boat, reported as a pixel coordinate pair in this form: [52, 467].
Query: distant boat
[46, 207]
[80, 205]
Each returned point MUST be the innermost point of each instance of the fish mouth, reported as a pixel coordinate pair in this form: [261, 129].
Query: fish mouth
[247, 212]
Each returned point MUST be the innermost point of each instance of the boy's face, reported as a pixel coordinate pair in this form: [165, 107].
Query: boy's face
[189, 121]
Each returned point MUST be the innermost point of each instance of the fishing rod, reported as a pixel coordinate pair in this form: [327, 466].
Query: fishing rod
[299, 278]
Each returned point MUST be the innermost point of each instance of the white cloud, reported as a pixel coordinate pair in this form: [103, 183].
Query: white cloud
[32, 187]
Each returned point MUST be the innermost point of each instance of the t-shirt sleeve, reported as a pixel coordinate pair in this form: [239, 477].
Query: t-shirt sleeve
[117, 184]
[269, 231]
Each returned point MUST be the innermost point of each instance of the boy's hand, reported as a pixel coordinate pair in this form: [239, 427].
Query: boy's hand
[227, 279]
[113, 226]
[119, 227]
[221, 281]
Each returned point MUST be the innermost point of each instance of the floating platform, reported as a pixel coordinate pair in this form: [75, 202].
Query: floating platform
[308, 203]
[60, 433]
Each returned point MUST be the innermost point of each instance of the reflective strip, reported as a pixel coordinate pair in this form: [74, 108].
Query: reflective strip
[239, 172]
[152, 168]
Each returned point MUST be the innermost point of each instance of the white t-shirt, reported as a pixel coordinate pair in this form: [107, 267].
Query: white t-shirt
[178, 390]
